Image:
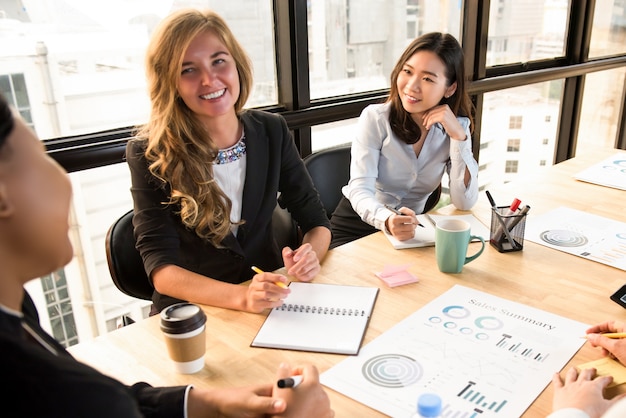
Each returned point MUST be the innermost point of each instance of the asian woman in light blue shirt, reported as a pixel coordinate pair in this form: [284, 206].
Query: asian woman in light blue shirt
[403, 147]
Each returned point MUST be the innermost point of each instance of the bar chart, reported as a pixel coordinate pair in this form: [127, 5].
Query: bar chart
[473, 349]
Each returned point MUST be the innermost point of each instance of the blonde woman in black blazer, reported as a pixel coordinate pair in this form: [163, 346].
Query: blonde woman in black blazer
[206, 175]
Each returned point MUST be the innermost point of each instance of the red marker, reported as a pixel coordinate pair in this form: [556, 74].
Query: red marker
[501, 233]
[513, 207]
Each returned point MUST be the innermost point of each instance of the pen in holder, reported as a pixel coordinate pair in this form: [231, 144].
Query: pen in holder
[507, 231]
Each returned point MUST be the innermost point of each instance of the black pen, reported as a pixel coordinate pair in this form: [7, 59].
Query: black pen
[289, 382]
[493, 202]
[397, 212]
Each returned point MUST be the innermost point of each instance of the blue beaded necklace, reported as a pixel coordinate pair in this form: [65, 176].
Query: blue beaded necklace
[231, 154]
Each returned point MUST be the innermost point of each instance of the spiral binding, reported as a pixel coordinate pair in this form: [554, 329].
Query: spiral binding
[322, 310]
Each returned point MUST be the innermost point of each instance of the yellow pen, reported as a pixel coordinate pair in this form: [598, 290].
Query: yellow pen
[259, 271]
[612, 335]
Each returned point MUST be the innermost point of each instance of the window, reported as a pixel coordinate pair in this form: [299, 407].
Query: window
[522, 31]
[602, 104]
[60, 312]
[542, 163]
[545, 141]
[513, 145]
[608, 34]
[515, 122]
[548, 118]
[332, 134]
[81, 64]
[13, 87]
[354, 48]
[511, 166]
[505, 129]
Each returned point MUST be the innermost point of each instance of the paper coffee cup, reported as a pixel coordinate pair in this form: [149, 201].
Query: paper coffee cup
[184, 326]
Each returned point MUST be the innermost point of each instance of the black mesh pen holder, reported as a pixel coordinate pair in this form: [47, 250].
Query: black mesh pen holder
[507, 231]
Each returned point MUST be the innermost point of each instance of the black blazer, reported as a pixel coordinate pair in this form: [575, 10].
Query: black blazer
[42, 384]
[273, 166]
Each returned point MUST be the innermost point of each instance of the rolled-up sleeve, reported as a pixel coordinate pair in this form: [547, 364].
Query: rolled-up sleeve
[461, 157]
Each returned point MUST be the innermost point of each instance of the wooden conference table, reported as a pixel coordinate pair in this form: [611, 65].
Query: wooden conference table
[538, 276]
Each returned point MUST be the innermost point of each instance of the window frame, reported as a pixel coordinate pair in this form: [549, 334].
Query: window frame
[301, 113]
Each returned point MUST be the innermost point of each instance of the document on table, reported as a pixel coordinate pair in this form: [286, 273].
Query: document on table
[485, 356]
[425, 237]
[582, 234]
[610, 172]
[319, 317]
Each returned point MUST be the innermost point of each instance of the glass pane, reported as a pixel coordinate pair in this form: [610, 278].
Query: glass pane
[63, 293]
[600, 113]
[47, 283]
[522, 31]
[332, 134]
[21, 95]
[57, 329]
[608, 34]
[5, 88]
[70, 327]
[519, 129]
[53, 311]
[80, 64]
[354, 44]
[59, 277]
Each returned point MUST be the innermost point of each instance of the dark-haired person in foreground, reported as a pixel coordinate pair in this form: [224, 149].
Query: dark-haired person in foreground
[41, 377]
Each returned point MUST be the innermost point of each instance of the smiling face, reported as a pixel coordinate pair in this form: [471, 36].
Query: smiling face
[35, 195]
[422, 83]
[209, 81]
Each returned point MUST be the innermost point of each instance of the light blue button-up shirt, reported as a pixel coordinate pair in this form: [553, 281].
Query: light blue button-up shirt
[385, 170]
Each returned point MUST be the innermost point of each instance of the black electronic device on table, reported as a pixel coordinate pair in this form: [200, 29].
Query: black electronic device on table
[619, 297]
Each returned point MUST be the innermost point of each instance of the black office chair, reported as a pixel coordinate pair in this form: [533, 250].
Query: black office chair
[330, 171]
[433, 199]
[126, 265]
[286, 230]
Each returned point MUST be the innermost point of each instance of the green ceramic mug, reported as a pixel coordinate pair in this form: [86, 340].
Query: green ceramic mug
[452, 237]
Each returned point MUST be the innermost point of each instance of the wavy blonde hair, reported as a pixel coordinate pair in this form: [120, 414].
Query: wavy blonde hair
[179, 149]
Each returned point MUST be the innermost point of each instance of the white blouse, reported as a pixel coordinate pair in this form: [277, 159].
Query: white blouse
[230, 175]
[385, 170]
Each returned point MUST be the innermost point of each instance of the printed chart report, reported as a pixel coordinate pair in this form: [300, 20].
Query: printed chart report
[611, 172]
[580, 233]
[484, 355]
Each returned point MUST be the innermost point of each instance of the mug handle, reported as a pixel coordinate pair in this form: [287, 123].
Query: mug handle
[479, 252]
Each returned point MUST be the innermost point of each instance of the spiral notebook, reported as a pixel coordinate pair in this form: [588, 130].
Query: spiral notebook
[319, 317]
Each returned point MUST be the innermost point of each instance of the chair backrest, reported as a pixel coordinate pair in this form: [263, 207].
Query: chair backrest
[330, 171]
[286, 230]
[126, 265]
[433, 199]
[125, 262]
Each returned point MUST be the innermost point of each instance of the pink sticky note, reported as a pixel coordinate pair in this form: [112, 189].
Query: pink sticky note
[396, 275]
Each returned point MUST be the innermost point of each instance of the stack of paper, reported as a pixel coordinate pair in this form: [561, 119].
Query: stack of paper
[610, 172]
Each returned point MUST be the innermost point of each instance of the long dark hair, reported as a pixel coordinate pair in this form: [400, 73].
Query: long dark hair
[450, 52]
[6, 121]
